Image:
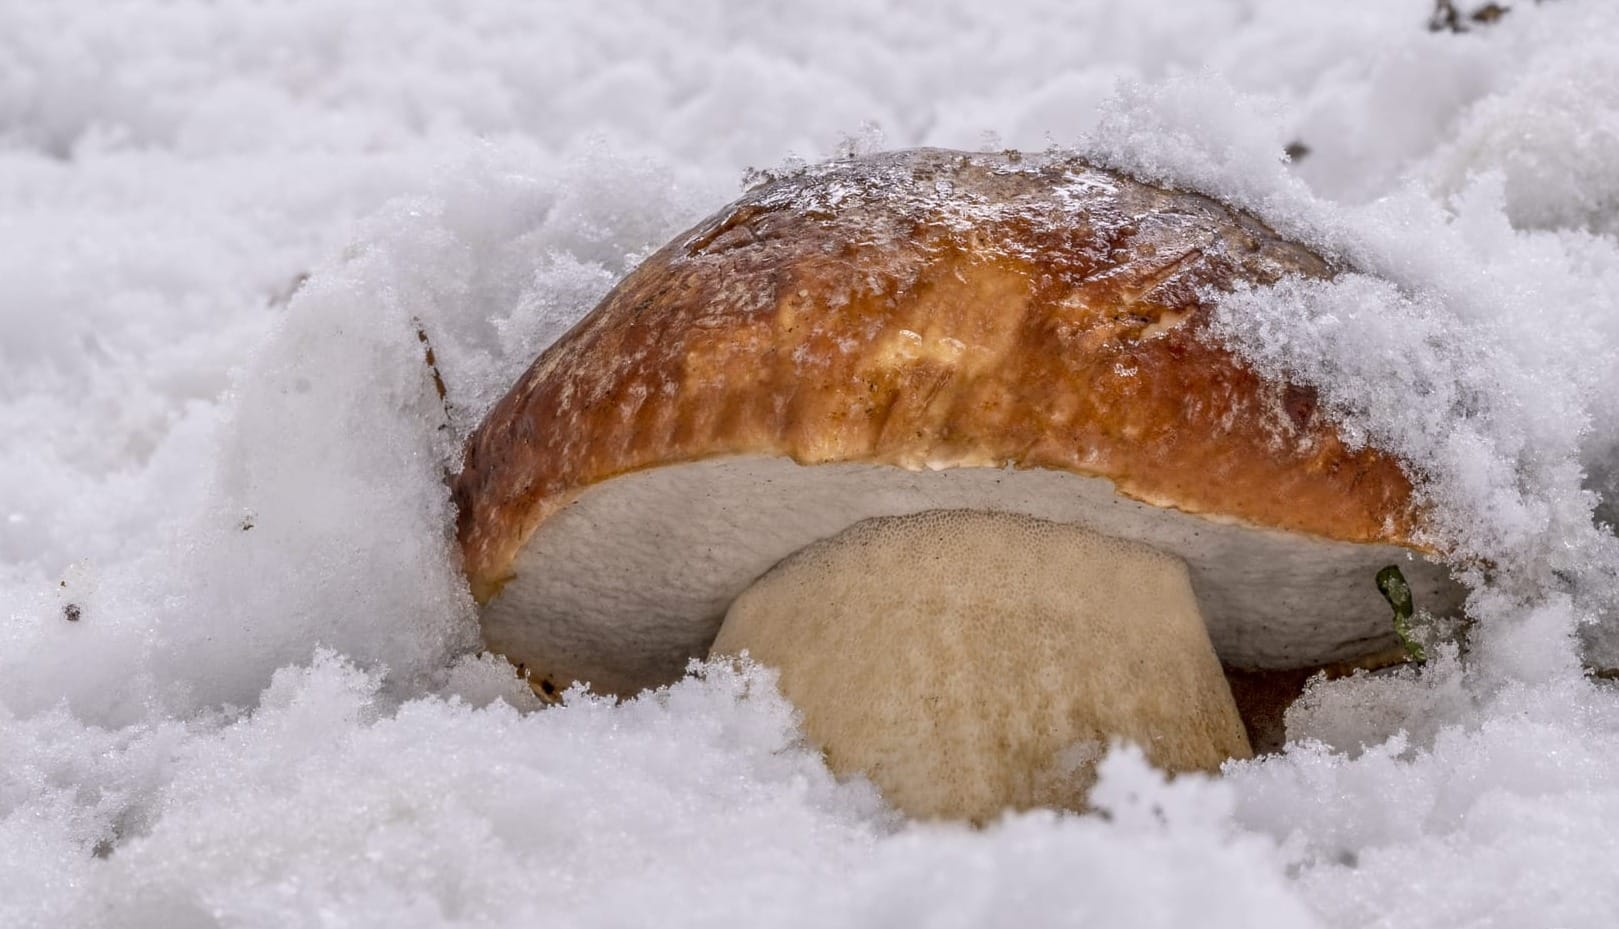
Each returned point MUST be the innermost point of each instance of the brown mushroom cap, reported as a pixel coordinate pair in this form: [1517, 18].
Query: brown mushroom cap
[920, 330]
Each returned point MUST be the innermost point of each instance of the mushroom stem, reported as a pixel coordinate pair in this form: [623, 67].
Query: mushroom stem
[971, 661]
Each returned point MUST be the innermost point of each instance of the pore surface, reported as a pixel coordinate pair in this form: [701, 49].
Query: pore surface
[632, 578]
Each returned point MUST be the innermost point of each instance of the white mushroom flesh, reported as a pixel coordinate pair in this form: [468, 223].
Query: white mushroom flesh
[625, 584]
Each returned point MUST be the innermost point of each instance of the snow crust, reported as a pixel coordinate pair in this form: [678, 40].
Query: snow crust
[238, 680]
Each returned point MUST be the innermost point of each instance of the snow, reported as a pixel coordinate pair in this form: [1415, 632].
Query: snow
[227, 228]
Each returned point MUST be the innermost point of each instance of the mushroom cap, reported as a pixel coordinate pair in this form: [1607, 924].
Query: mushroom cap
[920, 330]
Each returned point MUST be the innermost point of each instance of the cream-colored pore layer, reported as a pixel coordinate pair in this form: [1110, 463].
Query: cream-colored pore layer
[970, 661]
[630, 580]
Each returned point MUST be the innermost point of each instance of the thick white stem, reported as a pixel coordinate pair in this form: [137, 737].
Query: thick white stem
[969, 661]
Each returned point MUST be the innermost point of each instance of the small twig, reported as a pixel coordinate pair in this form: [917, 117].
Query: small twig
[432, 365]
[1446, 18]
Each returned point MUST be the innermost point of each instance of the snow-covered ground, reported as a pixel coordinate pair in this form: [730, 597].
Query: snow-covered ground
[222, 224]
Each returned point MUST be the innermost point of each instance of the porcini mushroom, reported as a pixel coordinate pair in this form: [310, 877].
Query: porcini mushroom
[938, 436]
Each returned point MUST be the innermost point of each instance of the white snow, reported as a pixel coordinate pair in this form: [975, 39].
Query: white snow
[226, 227]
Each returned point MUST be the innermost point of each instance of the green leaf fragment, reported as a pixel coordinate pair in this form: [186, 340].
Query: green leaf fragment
[1398, 593]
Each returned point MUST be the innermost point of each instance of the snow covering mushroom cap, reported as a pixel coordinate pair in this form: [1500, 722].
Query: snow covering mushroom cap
[914, 331]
